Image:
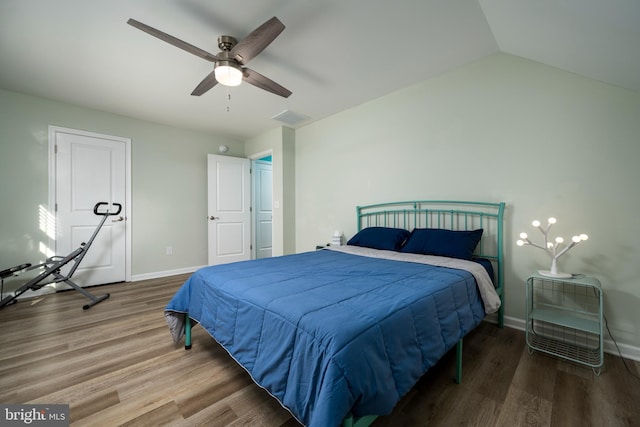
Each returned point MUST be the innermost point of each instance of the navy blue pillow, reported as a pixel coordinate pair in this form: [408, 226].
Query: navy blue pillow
[384, 238]
[437, 241]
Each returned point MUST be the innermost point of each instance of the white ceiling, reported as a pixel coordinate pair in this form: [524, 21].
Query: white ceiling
[333, 54]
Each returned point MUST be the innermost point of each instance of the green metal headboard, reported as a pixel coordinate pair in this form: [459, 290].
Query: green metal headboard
[450, 215]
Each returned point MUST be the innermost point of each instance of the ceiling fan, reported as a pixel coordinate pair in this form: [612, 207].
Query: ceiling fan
[229, 69]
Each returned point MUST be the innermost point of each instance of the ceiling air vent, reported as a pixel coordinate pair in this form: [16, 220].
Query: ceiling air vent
[290, 118]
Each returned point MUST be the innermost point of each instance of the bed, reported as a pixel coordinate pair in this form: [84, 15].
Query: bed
[339, 335]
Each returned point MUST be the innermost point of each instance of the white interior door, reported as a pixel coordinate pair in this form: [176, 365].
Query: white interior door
[229, 203]
[91, 168]
[263, 207]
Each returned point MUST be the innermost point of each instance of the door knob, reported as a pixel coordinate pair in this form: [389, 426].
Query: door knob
[213, 218]
[120, 218]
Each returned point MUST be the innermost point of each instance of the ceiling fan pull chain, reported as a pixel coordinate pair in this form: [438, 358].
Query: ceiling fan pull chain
[228, 98]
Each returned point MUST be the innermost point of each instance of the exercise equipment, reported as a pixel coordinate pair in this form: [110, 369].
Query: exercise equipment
[53, 265]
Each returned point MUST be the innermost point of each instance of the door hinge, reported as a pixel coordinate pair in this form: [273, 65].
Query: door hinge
[250, 208]
[55, 149]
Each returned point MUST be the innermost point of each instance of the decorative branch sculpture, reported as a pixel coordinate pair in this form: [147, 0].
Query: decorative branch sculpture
[554, 250]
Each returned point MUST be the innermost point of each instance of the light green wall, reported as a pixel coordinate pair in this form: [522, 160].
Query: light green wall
[289, 190]
[547, 142]
[168, 181]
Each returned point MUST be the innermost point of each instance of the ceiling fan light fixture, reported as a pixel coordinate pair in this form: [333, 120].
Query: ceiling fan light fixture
[227, 73]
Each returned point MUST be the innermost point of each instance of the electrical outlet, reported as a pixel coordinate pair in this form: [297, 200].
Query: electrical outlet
[169, 250]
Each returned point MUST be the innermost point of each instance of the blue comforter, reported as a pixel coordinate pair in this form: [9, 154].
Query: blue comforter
[329, 333]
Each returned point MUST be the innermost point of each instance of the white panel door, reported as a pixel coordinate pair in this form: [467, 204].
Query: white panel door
[263, 207]
[229, 201]
[90, 168]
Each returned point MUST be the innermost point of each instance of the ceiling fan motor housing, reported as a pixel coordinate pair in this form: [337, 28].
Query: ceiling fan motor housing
[226, 43]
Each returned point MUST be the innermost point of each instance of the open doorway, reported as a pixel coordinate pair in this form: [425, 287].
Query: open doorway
[262, 173]
[240, 208]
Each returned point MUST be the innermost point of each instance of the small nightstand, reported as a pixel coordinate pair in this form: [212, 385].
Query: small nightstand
[564, 318]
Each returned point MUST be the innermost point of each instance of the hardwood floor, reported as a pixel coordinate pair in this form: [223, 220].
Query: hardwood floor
[116, 364]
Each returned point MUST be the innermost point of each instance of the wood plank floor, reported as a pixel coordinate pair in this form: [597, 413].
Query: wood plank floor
[115, 364]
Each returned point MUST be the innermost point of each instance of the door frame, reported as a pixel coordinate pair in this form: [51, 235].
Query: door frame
[53, 130]
[253, 158]
[256, 191]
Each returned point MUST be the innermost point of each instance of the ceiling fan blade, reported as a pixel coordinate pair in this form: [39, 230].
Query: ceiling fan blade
[258, 80]
[256, 41]
[174, 41]
[206, 84]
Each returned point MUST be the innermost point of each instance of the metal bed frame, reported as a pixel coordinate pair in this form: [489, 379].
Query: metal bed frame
[450, 215]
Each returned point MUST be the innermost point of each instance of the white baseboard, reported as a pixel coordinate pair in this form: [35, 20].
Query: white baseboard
[166, 273]
[45, 290]
[50, 288]
[627, 351]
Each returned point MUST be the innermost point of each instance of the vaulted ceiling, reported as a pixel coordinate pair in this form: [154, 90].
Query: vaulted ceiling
[333, 54]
